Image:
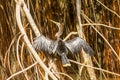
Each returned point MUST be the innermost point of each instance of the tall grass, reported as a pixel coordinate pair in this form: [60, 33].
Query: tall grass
[100, 22]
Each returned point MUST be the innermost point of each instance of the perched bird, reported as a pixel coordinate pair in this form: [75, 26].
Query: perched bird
[60, 47]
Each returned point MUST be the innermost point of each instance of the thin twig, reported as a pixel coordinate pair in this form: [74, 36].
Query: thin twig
[7, 54]
[80, 71]
[8, 50]
[109, 9]
[71, 33]
[64, 74]
[94, 67]
[100, 67]
[17, 50]
[15, 74]
[98, 24]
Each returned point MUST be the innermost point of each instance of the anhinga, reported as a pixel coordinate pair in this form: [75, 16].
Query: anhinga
[61, 47]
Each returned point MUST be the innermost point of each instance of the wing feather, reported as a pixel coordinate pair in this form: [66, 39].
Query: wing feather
[76, 44]
[43, 44]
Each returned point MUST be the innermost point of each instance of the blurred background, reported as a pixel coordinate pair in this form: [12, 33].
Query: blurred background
[104, 16]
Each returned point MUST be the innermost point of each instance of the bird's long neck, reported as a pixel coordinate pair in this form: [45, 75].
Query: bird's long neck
[60, 31]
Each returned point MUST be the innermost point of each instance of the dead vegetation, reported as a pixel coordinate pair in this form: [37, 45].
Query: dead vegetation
[98, 20]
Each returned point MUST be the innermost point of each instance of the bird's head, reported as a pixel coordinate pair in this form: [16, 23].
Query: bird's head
[60, 29]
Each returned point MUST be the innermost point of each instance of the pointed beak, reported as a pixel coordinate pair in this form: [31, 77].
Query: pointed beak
[57, 23]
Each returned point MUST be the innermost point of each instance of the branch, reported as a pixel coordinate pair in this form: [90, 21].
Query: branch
[27, 42]
[30, 19]
[78, 8]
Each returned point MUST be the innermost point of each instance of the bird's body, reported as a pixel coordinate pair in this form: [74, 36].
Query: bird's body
[62, 51]
[61, 47]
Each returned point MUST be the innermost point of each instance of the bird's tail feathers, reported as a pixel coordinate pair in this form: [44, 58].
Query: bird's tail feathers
[65, 61]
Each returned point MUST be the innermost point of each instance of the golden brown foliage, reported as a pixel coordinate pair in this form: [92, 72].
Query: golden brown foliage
[106, 12]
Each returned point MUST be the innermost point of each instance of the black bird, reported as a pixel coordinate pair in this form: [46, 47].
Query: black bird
[61, 47]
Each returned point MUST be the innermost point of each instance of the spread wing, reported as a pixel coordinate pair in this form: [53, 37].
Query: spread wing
[44, 44]
[75, 45]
